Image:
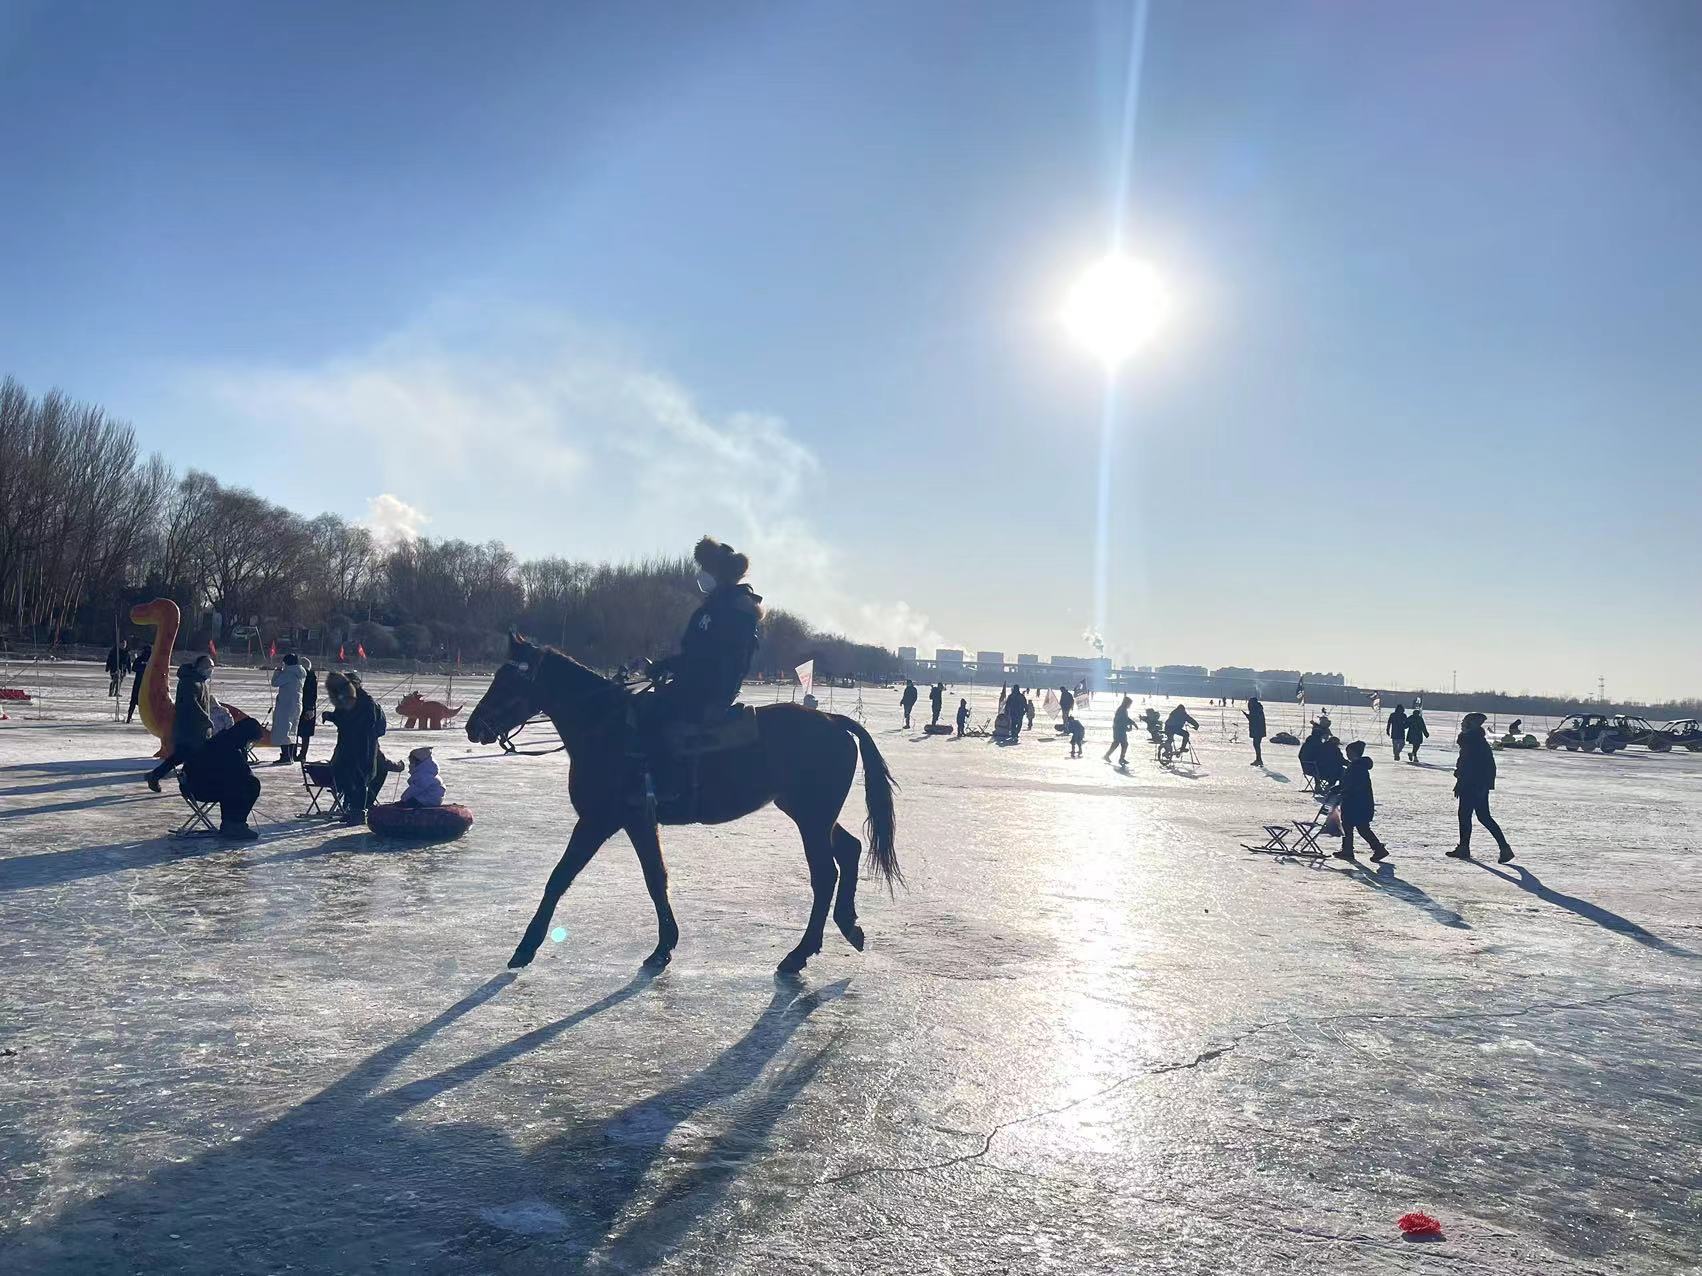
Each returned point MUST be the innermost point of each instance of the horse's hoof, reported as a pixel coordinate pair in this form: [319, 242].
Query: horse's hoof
[658, 959]
[853, 936]
[521, 959]
[791, 963]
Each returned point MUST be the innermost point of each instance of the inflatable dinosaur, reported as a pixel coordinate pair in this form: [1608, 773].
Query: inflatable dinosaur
[416, 710]
[154, 700]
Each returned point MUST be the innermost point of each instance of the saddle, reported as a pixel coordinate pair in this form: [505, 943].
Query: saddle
[733, 728]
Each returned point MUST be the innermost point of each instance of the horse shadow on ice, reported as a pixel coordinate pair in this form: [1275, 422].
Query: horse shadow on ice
[1526, 880]
[351, 1180]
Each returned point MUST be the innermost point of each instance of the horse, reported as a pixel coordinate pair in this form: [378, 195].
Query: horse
[803, 760]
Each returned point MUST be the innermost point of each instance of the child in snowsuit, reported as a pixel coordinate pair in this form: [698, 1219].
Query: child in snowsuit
[962, 716]
[424, 788]
[1358, 804]
[1077, 733]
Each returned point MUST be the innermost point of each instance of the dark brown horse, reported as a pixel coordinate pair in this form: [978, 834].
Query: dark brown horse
[803, 761]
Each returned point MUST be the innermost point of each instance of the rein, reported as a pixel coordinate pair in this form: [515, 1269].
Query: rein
[505, 740]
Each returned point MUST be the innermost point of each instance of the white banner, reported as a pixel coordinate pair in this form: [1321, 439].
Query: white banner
[806, 676]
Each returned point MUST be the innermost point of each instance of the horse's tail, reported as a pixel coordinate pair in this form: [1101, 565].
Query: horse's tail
[881, 828]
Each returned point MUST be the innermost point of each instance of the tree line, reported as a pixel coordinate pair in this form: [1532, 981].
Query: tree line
[88, 527]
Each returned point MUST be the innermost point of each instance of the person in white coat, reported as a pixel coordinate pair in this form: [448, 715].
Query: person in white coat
[424, 788]
[286, 709]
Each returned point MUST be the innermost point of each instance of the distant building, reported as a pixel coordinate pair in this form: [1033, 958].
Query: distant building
[1027, 658]
[947, 657]
[990, 661]
[1186, 671]
[907, 658]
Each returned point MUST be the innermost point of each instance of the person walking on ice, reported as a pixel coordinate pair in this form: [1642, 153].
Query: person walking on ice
[1417, 732]
[1397, 729]
[1474, 778]
[1358, 804]
[936, 701]
[907, 701]
[1255, 715]
[1122, 722]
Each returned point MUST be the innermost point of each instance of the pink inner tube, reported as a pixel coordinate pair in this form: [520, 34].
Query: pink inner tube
[420, 823]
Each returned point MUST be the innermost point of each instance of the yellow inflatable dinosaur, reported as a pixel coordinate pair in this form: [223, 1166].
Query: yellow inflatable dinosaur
[154, 700]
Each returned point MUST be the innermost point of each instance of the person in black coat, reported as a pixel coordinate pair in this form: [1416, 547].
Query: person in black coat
[907, 701]
[117, 665]
[1255, 714]
[719, 642]
[1177, 724]
[1358, 804]
[309, 704]
[1474, 778]
[1310, 748]
[937, 700]
[1397, 729]
[354, 760]
[1417, 733]
[191, 717]
[1332, 765]
[218, 772]
[1016, 705]
[139, 668]
[1066, 703]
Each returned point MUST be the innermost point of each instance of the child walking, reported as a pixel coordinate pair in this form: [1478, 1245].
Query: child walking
[1358, 805]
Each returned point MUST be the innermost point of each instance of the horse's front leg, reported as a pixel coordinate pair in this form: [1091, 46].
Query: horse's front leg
[647, 841]
[587, 837]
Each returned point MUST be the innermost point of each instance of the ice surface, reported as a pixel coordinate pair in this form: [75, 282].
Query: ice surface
[1094, 1035]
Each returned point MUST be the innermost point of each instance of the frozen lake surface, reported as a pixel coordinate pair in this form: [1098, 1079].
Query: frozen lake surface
[1094, 1035]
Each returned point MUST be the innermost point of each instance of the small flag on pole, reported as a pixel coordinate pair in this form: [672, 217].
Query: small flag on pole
[273, 654]
[807, 676]
[1376, 701]
[1300, 690]
[341, 658]
[212, 648]
[360, 650]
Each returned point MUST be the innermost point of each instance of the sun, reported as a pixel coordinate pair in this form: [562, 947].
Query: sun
[1116, 307]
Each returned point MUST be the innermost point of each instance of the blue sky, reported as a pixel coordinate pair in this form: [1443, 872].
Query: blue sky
[594, 279]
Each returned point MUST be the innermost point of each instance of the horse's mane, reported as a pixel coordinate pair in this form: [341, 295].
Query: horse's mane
[586, 676]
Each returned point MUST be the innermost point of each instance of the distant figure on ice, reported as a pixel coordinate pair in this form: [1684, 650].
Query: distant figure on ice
[962, 717]
[907, 701]
[1358, 804]
[288, 678]
[1121, 723]
[1417, 732]
[1397, 729]
[1077, 733]
[1255, 715]
[138, 669]
[1066, 703]
[309, 707]
[1154, 724]
[1177, 724]
[1474, 778]
[218, 772]
[424, 788]
[1004, 691]
[191, 717]
[1015, 707]
[1518, 725]
[117, 665]
[1028, 710]
[936, 701]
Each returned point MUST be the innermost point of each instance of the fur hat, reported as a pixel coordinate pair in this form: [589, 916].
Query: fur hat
[1471, 720]
[723, 562]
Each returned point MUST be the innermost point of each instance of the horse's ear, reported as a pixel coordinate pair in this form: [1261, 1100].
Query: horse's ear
[516, 645]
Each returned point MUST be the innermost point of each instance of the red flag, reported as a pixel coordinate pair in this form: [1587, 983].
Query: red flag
[360, 650]
[273, 655]
[340, 656]
[212, 647]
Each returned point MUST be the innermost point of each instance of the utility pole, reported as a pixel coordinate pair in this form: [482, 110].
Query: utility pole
[1601, 688]
[1456, 682]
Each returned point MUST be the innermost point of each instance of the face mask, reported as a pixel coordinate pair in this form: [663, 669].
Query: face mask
[705, 582]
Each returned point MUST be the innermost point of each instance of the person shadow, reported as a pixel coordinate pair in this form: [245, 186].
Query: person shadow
[1278, 776]
[1383, 879]
[359, 1178]
[1526, 880]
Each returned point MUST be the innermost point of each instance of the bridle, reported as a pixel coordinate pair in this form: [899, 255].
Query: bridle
[505, 740]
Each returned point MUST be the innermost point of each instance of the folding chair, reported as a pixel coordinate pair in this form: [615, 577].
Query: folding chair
[1276, 841]
[198, 823]
[1310, 833]
[316, 779]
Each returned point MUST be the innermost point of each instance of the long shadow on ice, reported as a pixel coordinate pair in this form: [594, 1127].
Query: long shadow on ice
[1384, 880]
[1608, 920]
[81, 804]
[103, 779]
[56, 868]
[77, 766]
[353, 1180]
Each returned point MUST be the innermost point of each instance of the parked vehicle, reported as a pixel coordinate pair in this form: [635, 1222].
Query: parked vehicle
[1686, 733]
[1589, 732]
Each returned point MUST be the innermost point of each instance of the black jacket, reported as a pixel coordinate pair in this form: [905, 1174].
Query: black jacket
[1120, 723]
[1179, 717]
[309, 702]
[1397, 728]
[1475, 771]
[1359, 804]
[1332, 762]
[909, 696]
[1255, 719]
[1066, 702]
[358, 729]
[937, 696]
[192, 714]
[219, 767]
[1416, 730]
[718, 645]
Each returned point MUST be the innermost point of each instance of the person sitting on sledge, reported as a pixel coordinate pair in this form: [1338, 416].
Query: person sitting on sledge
[716, 649]
[1176, 726]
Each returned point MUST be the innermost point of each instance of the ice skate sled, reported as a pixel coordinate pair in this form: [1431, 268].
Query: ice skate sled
[1327, 822]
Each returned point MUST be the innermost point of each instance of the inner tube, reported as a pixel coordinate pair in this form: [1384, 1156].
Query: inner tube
[420, 823]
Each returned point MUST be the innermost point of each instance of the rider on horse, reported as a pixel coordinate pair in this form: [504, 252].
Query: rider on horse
[715, 651]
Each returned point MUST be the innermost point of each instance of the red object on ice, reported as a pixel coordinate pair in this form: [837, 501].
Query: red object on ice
[360, 650]
[13, 693]
[274, 652]
[1419, 1225]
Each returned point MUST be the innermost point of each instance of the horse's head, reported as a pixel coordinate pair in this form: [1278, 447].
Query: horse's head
[513, 697]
